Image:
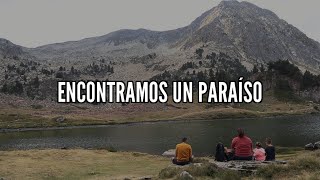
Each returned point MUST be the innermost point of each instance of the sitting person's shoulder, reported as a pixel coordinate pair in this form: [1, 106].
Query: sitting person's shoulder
[270, 146]
[235, 138]
[247, 138]
[186, 144]
[183, 144]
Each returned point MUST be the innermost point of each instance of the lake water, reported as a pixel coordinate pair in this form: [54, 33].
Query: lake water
[155, 138]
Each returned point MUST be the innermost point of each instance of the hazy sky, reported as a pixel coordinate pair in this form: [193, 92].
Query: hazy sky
[37, 22]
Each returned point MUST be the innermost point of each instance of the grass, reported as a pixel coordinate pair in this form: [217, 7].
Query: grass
[102, 164]
[305, 165]
[78, 164]
[285, 151]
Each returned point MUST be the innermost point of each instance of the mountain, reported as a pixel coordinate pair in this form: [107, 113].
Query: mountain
[222, 44]
[10, 50]
[253, 34]
[240, 29]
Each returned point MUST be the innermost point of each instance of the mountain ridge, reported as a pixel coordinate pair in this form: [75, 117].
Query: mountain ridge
[243, 30]
[230, 40]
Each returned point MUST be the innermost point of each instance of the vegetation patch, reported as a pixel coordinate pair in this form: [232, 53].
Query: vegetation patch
[36, 106]
[203, 170]
[305, 164]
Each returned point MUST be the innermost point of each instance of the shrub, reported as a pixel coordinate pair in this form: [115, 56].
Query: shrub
[270, 171]
[206, 169]
[199, 52]
[315, 176]
[60, 75]
[228, 174]
[36, 106]
[168, 172]
[306, 163]
[111, 149]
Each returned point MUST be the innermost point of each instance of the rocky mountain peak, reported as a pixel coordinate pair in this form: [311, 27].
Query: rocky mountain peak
[254, 34]
[240, 29]
[234, 9]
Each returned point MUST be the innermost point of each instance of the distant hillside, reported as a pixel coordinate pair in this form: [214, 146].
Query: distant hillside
[10, 50]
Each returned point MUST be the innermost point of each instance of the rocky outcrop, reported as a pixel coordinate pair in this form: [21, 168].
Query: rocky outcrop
[169, 153]
[312, 146]
[244, 166]
[309, 146]
[185, 175]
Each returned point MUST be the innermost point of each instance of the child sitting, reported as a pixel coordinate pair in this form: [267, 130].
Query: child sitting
[270, 150]
[259, 153]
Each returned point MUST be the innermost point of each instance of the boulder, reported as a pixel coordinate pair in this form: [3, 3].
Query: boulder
[309, 147]
[316, 145]
[185, 175]
[244, 166]
[169, 153]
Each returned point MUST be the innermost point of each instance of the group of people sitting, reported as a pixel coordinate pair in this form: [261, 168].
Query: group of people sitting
[241, 149]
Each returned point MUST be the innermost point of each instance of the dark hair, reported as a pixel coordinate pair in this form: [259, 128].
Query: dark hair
[184, 139]
[258, 144]
[240, 132]
[220, 153]
[268, 140]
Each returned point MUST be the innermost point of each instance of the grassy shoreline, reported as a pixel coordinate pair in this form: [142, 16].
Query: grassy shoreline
[27, 115]
[102, 164]
[203, 116]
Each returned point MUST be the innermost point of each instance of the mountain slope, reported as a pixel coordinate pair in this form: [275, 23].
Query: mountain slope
[240, 29]
[254, 34]
[10, 50]
[221, 44]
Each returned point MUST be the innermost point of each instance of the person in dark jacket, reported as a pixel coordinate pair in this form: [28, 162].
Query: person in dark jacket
[221, 154]
[270, 150]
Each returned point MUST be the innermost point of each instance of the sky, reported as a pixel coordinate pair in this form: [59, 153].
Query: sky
[33, 23]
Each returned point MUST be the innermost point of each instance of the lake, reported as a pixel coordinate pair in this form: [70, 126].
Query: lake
[155, 138]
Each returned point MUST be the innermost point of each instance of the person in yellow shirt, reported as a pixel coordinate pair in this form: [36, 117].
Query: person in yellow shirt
[183, 153]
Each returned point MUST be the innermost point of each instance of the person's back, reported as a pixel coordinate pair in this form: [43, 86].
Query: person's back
[183, 153]
[220, 155]
[259, 153]
[270, 150]
[242, 146]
